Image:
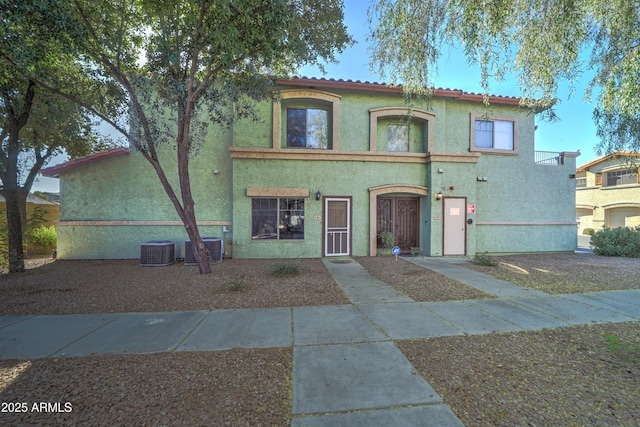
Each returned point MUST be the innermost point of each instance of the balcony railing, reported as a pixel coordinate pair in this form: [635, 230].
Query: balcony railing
[549, 158]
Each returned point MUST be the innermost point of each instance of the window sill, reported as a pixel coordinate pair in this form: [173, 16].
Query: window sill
[332, 155]
[277, 240]
[494, 151]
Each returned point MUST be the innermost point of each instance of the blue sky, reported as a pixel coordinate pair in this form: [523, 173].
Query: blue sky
[574, 131]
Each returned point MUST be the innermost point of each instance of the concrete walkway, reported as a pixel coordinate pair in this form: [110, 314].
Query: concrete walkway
[347, 370]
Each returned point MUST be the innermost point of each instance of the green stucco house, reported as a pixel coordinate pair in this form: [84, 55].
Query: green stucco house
[330, 165]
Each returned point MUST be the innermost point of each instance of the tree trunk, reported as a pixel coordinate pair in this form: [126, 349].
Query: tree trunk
[14, 228]
[189, 216]
[11, 189]
[199, 250]
[188, 204]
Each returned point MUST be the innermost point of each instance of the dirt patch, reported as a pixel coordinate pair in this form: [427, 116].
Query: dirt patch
[114, 286]
[418, 282]
[566, 376]
[565, 273]
[236, 387]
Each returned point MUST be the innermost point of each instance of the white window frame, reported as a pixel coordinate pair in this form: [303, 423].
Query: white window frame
[619, 174]
[493, 119]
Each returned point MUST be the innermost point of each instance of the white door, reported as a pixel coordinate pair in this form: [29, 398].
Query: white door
[337, 226]
[455, 226]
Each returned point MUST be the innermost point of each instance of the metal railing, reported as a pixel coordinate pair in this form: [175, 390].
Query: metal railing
[552, 158]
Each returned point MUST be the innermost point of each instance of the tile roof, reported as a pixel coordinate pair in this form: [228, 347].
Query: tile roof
[614, 155]
[33, 199]
[55, 171]
[384, 87]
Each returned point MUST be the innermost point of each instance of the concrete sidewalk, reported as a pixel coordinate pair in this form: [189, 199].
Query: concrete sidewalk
[346, 367]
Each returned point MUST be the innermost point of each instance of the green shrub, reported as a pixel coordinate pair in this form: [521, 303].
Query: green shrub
[621, 241]
[627, 351]
[286, 269]
[485, 260]
[43, 238]
[588, 231]
[388, 239]
[237, 285]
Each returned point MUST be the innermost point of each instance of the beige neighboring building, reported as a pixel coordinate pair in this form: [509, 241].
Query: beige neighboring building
[52, 209]
[608, 192]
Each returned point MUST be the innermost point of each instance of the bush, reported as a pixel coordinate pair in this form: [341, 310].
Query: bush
[588, 231]
[388, 239]
[622, 241]
[484, 260]
[43, 238]
[286, 269]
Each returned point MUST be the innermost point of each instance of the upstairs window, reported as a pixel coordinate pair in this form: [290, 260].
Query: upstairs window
[399, 129]
[622, 177]
[494, 134]
[307, 128]
[306, 119]
[398, 138]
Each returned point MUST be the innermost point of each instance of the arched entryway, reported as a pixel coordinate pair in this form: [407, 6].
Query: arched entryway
[395, 207]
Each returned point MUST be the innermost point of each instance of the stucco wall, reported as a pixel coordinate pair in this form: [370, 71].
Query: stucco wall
[347, 179]
[120, 242]
[520, 206]
[98, 197]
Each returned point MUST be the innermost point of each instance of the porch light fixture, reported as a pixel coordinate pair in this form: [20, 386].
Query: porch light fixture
[318, 195]
[439, 196]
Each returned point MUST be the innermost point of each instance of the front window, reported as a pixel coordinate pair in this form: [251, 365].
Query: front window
[623, 177]
[307, 128]
[398, 138]
[277, 218]
[581, 182]
[494, 134]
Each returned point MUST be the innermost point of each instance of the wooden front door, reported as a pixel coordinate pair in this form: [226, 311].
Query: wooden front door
[400, 215]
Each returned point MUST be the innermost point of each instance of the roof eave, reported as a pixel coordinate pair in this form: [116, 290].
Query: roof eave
[385, 88]
[57, 170]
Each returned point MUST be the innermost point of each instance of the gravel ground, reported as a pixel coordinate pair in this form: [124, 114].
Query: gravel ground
[418, 283]
[560, 377]
[235, 387]
[565, 273]
[566, 376]
[74, 287]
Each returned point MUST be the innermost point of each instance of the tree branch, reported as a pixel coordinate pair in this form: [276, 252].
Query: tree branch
[35, 169]
[84, 104]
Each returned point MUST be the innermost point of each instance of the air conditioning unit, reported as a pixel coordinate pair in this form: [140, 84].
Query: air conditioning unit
[214, 245]
[157, 253]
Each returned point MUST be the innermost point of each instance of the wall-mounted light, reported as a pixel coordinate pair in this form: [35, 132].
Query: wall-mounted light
[439, 196]
[572, 176]
[318, 195]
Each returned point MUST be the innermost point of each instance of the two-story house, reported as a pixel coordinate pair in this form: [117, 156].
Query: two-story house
[329, 166]
[608, 192]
